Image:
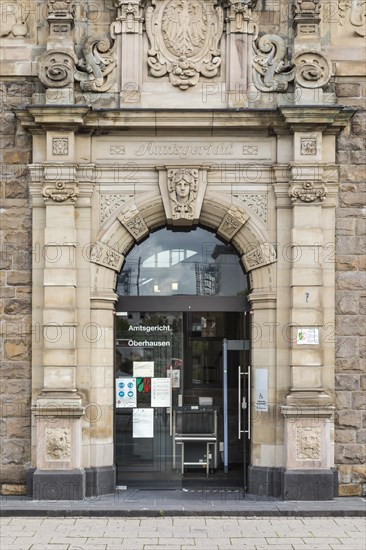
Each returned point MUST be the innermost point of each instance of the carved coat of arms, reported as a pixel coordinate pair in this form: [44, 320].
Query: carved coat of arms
[184, 37]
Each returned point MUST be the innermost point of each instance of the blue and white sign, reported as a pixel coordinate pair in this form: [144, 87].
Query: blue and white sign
[126, 393]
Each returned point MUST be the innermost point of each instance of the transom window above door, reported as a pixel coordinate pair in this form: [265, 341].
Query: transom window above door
[171, 263]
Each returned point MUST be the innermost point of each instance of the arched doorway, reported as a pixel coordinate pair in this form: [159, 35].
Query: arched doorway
[182, 356]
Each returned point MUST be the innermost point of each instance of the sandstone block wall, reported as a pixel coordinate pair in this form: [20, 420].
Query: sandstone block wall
[350, 433]
[15, 290]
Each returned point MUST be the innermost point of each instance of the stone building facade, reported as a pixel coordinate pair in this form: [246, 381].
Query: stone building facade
[105, 108]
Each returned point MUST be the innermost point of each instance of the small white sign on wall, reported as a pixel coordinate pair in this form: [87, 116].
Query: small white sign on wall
[309, 336]
[261, 390]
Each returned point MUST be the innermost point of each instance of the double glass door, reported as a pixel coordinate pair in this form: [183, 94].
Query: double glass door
[169, 400]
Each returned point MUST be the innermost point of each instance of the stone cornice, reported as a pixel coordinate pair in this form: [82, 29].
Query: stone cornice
[330, 119]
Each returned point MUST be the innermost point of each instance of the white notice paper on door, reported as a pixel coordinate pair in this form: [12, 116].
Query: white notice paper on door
[160, 392]
[143, 369]
[143, 423]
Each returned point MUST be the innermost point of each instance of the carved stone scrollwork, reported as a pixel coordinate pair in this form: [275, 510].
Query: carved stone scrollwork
[271, 71]
[60, 191]
[184, 36]
[233, 220]
[97, 67]
[357, 14]
[132, 220]
[313, 69]
[307, 192]
[103, 254]
[56, 68]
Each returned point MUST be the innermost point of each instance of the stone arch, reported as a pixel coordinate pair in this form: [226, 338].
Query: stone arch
[130, 224]
[140, 215]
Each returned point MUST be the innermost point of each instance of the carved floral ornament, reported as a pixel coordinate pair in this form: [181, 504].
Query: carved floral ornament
[184, 38]
[271, 72]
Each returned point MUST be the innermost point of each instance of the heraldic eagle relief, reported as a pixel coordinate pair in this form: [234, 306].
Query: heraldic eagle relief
[184, 37]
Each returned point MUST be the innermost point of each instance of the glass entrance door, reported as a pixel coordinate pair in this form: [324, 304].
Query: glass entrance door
[170, 409]
[149, 384]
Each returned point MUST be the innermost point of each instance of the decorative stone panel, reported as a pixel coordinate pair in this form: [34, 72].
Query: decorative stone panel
[262, 255]
[103, 254]
[132, 220]
[182, 191]
[58, 444]
[232, 222]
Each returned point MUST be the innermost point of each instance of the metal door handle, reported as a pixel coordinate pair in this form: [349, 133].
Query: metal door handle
[239, 402]
[171, 402]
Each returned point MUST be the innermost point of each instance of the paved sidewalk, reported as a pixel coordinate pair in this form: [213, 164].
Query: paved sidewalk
[183, 533]
[134, 503]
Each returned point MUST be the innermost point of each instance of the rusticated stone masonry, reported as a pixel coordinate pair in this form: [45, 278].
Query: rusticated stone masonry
[350, 434]
[15, 291]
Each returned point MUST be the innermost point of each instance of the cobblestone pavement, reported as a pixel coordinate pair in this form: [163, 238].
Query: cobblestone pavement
[183, 533]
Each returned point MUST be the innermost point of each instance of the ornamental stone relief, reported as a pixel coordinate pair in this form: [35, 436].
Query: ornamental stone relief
[308, 146]
[313, 69]
[56, 68]
[103, 254]
[58, 444]
[308, 443]
[60, 146]
[259, 256]
[307, 192]
[233, 220]
[132, 220]
[60, 191]
[13, 17]
[184, 38]
[271, 71]
[96, 67]
[239, 17]
[257, 202]
[111, 202]
[355, 11]
[183, 187]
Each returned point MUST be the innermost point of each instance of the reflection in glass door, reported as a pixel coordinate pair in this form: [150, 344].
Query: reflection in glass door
[169, 398]
[149, 381]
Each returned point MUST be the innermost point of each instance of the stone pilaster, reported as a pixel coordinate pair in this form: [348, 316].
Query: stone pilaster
[241, 29]
[56, 66]
[127, 29]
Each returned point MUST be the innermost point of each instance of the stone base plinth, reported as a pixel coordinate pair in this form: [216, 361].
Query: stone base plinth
[71, 485]
[293, 484]
[100, 480]
[309, 484]
[59, 484]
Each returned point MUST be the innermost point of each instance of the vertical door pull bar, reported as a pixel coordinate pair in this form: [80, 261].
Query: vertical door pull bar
[249, 402]
[171, 402]
[239, 403]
